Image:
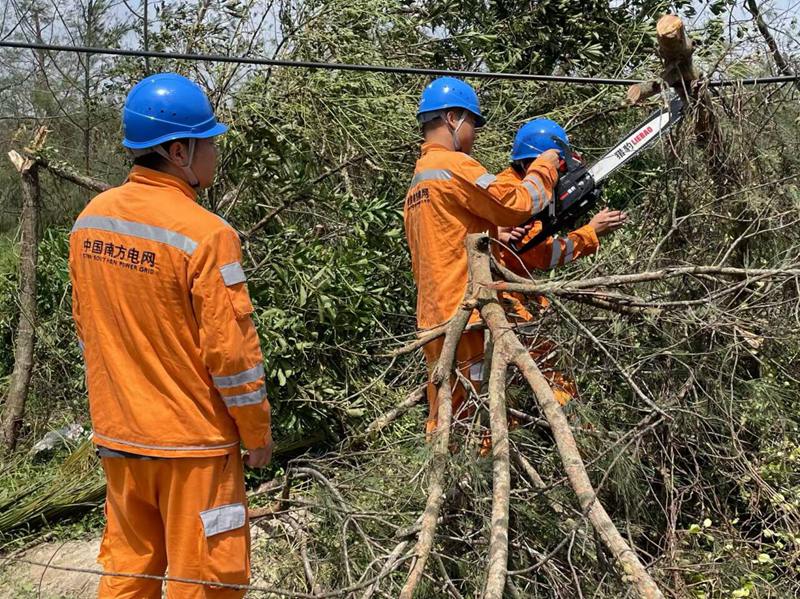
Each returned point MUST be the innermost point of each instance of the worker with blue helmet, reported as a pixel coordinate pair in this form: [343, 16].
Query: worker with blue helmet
[452, 195]
[533, 138]
[452, 101]
[174, 368]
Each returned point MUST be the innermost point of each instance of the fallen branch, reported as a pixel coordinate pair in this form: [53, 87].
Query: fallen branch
[501, 488]
[441, 452]
[425, 337]
[380, 423]
[565, 287]
[645, 586]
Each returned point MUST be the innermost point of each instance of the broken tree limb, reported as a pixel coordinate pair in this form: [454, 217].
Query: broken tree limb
[638, 92]
[643, 583]
[777, 55]
[66, 171]
[380, 423]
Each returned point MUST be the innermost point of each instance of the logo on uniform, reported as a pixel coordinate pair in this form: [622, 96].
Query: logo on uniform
[130, 258]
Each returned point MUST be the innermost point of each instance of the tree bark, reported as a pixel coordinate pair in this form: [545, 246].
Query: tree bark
[14, 409]
[441, 450]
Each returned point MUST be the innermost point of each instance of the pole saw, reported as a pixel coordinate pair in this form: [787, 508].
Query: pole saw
[580, 187]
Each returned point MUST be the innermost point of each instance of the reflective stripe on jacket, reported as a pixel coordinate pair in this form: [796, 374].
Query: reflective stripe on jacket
[173, 362]
[452, 196]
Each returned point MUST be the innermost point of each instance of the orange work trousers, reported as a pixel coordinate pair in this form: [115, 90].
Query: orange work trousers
[184, 516]
[469, 360]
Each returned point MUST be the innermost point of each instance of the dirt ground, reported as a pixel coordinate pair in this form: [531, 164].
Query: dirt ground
[25, 581]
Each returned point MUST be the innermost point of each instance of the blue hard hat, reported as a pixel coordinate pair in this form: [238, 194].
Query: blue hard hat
[449, 92]
[536, 137]
[164, 107]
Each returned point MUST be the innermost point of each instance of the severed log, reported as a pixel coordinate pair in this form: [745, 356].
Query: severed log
[643, 583]
[675, 49]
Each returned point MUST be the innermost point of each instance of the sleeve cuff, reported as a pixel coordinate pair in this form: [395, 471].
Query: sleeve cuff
[589, 235]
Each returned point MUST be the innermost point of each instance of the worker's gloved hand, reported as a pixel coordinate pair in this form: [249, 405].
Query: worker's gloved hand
[259, 457]
[607, 221]
[551, 157]
[509, 235]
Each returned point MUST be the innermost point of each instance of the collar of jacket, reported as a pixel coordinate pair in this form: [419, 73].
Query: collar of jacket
[431, 146]
[148, 176]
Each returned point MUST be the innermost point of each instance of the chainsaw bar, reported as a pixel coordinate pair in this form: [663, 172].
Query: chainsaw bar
[637, 140]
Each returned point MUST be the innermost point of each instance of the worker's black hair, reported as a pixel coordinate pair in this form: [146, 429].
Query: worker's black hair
[423, 127]
[521, 166]
[154, 160]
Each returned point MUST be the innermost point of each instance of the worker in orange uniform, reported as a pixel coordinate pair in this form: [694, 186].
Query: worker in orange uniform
[451, 196]
[532, 139]
[174, 368]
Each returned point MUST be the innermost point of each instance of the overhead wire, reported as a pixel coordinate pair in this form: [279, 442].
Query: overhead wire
[340, 66]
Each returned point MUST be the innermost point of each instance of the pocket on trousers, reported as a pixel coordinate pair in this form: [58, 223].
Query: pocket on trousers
[226, 543]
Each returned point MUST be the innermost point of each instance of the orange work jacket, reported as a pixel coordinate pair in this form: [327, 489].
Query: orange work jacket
[173, 362]
[452, 196]
[554, 251]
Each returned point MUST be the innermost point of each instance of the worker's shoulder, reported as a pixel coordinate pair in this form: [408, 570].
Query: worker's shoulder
[204, 221]
[447, 160]
[456, 167]
[172, 211]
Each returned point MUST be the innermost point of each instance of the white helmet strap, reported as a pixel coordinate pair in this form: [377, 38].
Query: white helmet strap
[454, 132]
[186, 168]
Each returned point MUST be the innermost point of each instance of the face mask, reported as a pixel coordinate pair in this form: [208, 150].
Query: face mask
[454, 132]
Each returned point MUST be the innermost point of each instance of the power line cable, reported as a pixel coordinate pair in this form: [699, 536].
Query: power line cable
[370, 68]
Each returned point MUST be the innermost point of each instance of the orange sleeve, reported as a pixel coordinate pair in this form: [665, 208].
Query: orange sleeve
[228, 340]
[503, 201]
[554, 251]
[76, 307]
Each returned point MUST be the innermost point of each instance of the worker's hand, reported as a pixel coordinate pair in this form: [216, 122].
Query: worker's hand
[509, 235]
[260, 456]
[551, 157]
[607, 221]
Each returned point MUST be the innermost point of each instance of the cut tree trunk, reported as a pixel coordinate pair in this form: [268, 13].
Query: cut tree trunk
[14, 409]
